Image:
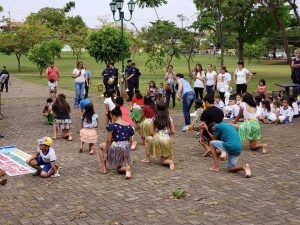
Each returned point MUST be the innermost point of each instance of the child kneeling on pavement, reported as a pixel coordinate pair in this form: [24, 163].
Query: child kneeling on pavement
[229, 145]
[45, 156]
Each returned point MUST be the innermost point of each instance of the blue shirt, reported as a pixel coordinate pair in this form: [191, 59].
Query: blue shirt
[84, 102]
[230, 137]
[87, 74]
[186, 87]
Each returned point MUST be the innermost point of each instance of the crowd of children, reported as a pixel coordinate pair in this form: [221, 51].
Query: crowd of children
[149, 116]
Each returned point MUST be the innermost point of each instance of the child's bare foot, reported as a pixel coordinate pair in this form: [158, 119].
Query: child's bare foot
[145, 161]
[92, 151]
[133, 146]
[172, 166]
[214, 169]
[128, 173]
[265, 149]
[70, 138]
[247, 171]
[104, 168]
[54, 137]
[206, 153]
[223, 155]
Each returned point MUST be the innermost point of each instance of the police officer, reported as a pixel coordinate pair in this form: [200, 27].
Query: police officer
[4, 78]
[105, 73]
[132, 79]
[113, 74]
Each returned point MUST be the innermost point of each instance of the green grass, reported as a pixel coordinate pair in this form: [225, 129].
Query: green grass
[272, 72]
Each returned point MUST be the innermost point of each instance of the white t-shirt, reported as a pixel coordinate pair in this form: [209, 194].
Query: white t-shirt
[170, 76]
[241, 76]
[199, 83]
[222, 80]
[93, 124]
[210, 76]
[110, 103]
[50, 157]
[295, 108]
[220, 105]
[287, 113]
[79, 79]
[233, 110]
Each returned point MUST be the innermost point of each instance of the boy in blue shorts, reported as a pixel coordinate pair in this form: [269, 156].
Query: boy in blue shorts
[226, 141]
[45, 156]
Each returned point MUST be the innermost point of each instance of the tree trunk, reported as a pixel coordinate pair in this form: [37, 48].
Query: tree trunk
[221, 33]
[19, 62]
[41, 72]
[280, 25]
[241, 48]
[295, 10]
[156, 13]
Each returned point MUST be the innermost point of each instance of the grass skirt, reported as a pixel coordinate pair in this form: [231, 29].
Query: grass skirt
[119, 154]
[63, 124]
[250, 130]
[136, 115]
[88, 135]
[160, 145]
[145, 128]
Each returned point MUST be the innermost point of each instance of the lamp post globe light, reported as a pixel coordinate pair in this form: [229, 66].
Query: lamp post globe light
[117, 5]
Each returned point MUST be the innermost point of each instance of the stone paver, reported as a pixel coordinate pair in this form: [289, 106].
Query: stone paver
[82, 195]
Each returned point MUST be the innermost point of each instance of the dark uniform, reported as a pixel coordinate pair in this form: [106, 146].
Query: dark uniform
[114, 72]
[133, 82]
[105, 73]
[5, 81]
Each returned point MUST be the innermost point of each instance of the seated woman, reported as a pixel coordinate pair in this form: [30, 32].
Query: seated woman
[159, 144]
[117, 147]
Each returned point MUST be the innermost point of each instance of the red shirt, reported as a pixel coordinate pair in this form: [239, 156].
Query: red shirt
[148, 111]
[52, 73]
[261, 89]
[126, 116]
[137, 101]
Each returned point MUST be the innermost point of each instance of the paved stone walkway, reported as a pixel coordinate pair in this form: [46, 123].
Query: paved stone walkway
[82, 195]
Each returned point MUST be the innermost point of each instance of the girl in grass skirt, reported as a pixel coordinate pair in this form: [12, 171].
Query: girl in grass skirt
[159, 144]
[117, 147]
[88, 132]
[136, 108]
[146, 118]
[249, 130]
[61, 110]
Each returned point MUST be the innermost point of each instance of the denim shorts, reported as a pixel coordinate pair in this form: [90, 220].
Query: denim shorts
[231, 159]
[46, 166]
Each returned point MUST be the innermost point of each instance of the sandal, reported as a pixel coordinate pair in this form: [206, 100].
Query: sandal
[3, 182]
[80, 150]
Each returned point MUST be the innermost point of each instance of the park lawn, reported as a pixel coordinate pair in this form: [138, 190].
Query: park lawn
[272, 72]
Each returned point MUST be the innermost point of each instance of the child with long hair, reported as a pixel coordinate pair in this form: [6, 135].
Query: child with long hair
[159, 144]
[145, 120]
[293, 103]
[152, 90]
[267, 116]
[249, 130]
[195, 126]
[88, 132]
[261, 89]
[62, 110]
[117, 150]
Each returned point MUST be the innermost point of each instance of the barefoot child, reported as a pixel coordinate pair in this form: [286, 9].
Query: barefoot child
[88, 132]
[47, 112]
[228, 143]
[117, 147]
[159, 144]
[45, 156]
[145, 120]
[62, 110]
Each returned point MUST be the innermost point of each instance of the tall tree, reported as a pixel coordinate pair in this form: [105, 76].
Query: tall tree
[182, 18]
[104, 44]
[40, 55]
[295, 8]
[151, 4]
[20, 41]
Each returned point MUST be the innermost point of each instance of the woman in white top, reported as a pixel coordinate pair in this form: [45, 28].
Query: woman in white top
[240, 78]
[199, 78]
[170, 77]
[211, 80]
[79, 76]
[223, 82]
[249, 130]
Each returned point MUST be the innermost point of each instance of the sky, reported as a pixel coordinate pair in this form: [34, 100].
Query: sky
[89, 10]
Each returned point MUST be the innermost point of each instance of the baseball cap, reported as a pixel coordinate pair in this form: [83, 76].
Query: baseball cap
[45, 141]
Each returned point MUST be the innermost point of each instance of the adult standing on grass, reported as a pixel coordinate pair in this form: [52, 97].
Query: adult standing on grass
[211, 79]
[188, 98]
[240, 78]
[87, 81]
[223, 82]
[199, 78]
[4, 78]
[170, 77]
[53, 76]
[79, 76]
[113, 75]
[296, 69]
[132, 79]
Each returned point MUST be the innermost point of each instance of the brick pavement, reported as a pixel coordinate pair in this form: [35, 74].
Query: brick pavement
[82, 195]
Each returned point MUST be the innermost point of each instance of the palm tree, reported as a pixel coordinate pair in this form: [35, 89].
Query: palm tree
[151, 4]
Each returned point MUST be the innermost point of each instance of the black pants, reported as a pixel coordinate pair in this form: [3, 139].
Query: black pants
[222, 96]
[132, 86]
[86, 90]
[6, 84]
[241, 88]
[198, 92]
[170, 94]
